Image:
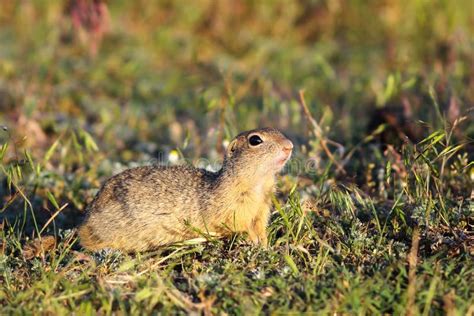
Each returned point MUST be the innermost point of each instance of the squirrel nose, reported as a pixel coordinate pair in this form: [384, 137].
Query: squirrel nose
[288, 147]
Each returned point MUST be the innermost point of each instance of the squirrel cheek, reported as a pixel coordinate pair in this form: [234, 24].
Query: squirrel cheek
[282, 160]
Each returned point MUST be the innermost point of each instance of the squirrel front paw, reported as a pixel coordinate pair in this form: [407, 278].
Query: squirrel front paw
[258, 239]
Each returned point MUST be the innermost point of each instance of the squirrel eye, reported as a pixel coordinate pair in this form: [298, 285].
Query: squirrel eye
[255, 140]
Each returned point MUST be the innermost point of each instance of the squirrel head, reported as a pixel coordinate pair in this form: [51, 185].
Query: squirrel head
[258, 152]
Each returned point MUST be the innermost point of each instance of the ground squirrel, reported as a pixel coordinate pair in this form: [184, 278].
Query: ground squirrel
[147, 207]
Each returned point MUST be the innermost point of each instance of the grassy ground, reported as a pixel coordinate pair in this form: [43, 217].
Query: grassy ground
[374, 213]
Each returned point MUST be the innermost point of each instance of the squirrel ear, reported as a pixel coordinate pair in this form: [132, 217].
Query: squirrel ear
[231, 148]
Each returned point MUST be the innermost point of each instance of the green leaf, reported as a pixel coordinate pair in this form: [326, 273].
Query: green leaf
[30, 160]
[51, 150]
[126, 266]
[89, 141]
[3, 150]
[143, 294]
[434, 137]
[291, 264]
[52, 200]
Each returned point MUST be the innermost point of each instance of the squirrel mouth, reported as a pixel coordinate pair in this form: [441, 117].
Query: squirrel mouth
[282, 161]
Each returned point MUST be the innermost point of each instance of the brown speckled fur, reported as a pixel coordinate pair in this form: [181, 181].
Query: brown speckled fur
[147, 207]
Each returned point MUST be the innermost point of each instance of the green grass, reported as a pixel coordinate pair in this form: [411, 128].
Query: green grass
[374, 213]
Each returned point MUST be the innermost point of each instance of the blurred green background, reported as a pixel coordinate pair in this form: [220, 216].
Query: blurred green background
[157, 71]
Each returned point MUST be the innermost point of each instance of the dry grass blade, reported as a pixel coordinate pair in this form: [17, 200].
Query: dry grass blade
[53, 217]
[412, 262]
[184, 302]
[448, 300]
[318, 132]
